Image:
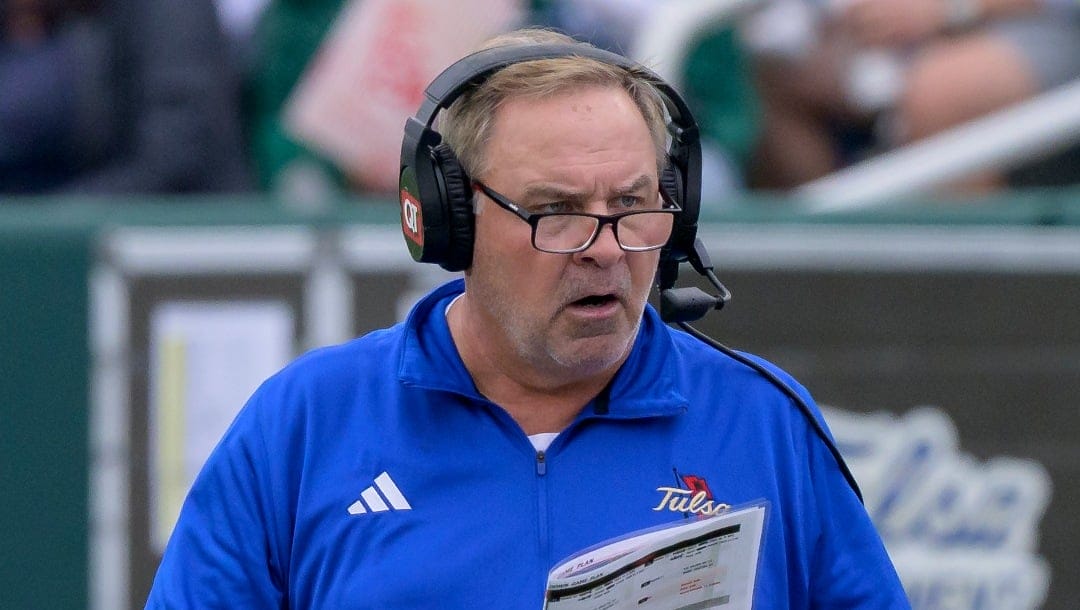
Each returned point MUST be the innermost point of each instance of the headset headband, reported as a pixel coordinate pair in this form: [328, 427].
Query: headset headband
[477, 67]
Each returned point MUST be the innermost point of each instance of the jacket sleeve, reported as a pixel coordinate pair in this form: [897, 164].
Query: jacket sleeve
[230, 545]
[849, 566]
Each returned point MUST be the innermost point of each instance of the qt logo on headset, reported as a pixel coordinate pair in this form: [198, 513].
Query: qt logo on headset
[411, 224]
[412, 216]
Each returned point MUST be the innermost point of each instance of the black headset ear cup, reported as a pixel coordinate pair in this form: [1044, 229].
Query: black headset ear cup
[684, 231]
[459, 209]
[671, 183]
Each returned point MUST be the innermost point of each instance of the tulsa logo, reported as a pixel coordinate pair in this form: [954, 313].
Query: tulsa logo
[695, 498]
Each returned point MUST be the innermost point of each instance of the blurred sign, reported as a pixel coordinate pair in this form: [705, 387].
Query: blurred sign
[962, 534]
[371, 71]
[870, 321]
[206, 359]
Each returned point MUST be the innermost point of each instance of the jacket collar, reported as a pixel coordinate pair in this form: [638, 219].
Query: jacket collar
[644, 386]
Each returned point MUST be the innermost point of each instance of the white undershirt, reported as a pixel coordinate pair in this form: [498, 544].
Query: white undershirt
[446, 312]
[539, 441]
[542, 440]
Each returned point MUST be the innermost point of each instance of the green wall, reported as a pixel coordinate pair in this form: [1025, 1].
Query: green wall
[44, 358]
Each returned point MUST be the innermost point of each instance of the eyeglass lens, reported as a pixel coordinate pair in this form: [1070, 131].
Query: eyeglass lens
[636, 231]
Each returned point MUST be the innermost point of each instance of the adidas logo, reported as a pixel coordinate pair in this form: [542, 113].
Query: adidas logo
[377, 497]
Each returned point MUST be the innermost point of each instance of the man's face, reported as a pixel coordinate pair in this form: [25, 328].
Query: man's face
[568, 315]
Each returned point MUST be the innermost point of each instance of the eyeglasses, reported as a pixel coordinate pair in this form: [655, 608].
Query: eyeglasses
[638, 230]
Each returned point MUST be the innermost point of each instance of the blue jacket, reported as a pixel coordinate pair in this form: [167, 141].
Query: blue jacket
[374, 475]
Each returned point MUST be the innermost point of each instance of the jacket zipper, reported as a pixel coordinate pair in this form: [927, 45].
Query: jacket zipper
[541, 470]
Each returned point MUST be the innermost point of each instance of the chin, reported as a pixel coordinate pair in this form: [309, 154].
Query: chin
[593, 355]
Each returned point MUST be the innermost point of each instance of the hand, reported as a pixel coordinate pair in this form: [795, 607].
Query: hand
[891, 23]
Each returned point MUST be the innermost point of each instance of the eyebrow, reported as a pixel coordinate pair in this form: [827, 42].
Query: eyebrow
[554, 192]
[641, 182]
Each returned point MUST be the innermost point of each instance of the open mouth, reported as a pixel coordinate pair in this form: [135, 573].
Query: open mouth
[595, 300]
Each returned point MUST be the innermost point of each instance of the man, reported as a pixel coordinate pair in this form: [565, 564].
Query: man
[529, 411]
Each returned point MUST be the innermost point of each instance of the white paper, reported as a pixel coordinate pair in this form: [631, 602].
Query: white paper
[699, 563]
[206, 358]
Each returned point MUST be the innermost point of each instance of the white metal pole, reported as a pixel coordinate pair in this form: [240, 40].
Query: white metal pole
[1028, 131]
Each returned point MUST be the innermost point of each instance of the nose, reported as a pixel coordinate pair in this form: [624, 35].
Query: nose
[604, 251]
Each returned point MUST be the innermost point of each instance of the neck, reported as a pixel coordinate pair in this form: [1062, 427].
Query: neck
[538, 400]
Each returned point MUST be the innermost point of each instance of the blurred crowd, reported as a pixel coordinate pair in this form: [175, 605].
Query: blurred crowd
[193, 96]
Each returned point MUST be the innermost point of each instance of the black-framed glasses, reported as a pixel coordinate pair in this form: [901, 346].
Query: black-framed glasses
[568, 232]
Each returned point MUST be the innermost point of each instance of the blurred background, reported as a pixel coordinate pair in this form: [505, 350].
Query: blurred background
[194, 192]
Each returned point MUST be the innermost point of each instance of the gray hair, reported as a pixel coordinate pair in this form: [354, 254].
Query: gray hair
[466, 125]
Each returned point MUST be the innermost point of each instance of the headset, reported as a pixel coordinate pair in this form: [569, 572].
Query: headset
[437, 212]
[436, 193]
